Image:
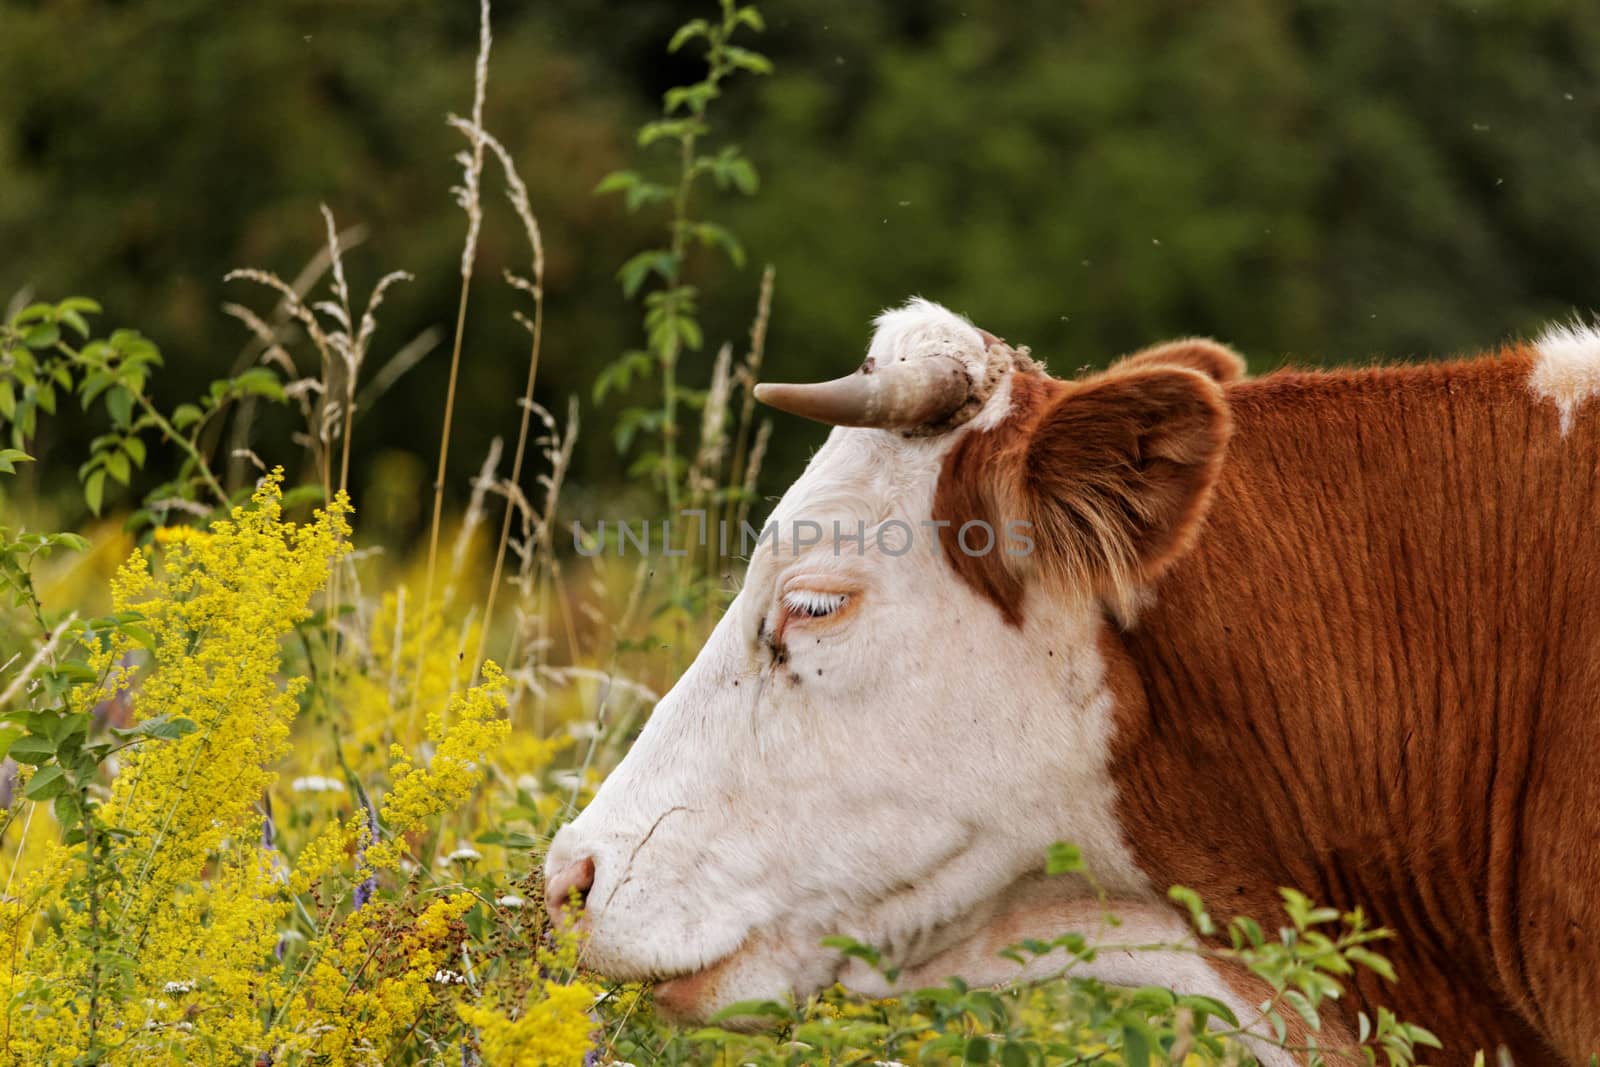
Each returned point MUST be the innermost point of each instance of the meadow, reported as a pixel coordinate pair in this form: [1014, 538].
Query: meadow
[278, 793]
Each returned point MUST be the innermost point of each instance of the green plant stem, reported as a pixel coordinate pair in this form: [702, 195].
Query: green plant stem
[91, 842]
[669, 355]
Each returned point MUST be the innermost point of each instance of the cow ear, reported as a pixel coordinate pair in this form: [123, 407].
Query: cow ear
[1118, 473]
[1215, 360]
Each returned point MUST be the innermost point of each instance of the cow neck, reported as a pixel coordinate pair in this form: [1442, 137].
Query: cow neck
[1354, 683]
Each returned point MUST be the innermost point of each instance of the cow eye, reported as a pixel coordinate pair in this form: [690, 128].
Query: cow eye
[811, 604]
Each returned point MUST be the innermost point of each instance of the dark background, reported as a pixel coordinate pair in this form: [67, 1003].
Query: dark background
[1315, 181]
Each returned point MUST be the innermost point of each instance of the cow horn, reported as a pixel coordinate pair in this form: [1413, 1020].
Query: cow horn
[900, 396]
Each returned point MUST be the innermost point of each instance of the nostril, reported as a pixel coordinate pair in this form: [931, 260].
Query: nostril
[571, 883]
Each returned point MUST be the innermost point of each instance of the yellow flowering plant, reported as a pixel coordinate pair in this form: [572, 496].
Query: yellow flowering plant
[171, 917]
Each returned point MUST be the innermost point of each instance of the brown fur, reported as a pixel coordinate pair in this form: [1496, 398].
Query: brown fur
[1214, 360]
[1374, 675]
[1112, 474]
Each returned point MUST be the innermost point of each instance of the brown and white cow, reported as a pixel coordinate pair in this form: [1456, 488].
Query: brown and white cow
[1336, 631]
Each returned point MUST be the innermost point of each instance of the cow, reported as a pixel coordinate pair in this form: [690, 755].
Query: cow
[1334, 630]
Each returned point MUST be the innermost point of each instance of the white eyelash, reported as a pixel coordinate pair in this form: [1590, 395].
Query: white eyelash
[810, 604]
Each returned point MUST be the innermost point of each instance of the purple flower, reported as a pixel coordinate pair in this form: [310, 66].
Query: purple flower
[369, 885]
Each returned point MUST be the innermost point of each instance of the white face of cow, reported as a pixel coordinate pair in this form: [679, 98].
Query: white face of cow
[865, 746]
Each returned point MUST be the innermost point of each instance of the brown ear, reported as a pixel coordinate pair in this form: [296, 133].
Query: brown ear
[1211, 358]
[1118, 473]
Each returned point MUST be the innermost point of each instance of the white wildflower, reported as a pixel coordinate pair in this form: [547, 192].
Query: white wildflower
[316, 783]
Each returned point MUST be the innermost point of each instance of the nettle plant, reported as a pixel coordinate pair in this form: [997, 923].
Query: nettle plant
[671, 318]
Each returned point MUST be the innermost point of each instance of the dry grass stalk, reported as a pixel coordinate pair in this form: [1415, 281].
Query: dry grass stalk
[739, 477]
[271, 339]
[517, 194]
[476, 512]
[467, 196]
[534, 550]
[329, 402]
[752, 472]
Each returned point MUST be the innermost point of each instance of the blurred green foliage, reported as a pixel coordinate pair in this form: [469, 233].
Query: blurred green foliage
[1321, 180]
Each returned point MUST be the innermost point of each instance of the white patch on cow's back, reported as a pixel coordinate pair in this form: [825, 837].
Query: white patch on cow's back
[1567, 371]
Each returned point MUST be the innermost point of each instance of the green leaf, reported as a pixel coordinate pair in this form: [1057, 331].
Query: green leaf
[644, 193]
[93, 385]
[616, 181]
[46, 782]
[8, 400]
[262, 382]
[978, 1050]
[1208, 1006]
[186, 415]
[1135, 1045]
[678, 129]
[94, 488]
[742, 173]
[1370, 960]
[688, 32]
[745, 59]
[639, 267]
[79, 303]
[119, 405]
[68, 810]
[1421, 1036]
[1154, 998]
[74, 319]
[1305, 1008]
[160, 727]
[1063, 859]
[31, 749]
[134, 448]
[42, 335]
[508, 839]
[9, 735]
[74, 672]
[9, 457]
[714, 236]
[695, 98]
[689, 332]
[770, 1009]
[1014, 1055]
[1198, 917]
[117, 466]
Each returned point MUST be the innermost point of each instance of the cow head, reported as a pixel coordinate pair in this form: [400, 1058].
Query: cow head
[890, 725]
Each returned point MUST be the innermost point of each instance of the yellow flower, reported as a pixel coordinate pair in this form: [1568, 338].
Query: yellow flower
[553, 1031]
[476, 728]
[194, 908]
[372, 982]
